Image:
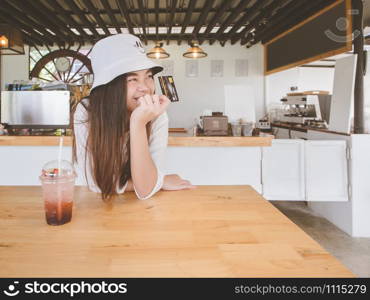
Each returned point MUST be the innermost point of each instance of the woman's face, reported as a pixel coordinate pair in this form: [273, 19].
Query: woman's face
[139, 83]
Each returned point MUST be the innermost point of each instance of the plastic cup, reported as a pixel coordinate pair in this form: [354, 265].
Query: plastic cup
[236, 129]
[58, 181]
[247, 129]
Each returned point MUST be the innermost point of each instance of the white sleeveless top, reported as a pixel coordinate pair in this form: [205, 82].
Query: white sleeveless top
[157, 147]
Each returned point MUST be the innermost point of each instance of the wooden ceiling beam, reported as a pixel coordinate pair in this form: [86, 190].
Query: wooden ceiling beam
[92, 9]
[124, 13]
[305, 12]
[84, 21]
[207, 6]
[142, 19]
[248, 17]
[297, 16]
[256, 21]
[231, 18]
[136, 11]
[171, 18]
[174, 36]
[42, 23]
[156, 7]
[45, 16]
[216, 18]
[67, 18]
[26, 30]
[278, 20]
[13, 11]
[186, 20]
[110, 13]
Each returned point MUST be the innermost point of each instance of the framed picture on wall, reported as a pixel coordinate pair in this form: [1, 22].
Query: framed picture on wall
[217, 68]
[191, 68]
[241, 67]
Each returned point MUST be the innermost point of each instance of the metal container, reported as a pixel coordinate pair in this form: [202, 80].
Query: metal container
[215, 125]
[35, 109]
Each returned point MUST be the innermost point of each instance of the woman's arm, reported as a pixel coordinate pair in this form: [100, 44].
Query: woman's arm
[146, 178]
[143, 169]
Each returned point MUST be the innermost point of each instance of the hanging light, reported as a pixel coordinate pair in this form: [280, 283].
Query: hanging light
[194, 51]
[4, 42]
[11, 41]
[158, 52]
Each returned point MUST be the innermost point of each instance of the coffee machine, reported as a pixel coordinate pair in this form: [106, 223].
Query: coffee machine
[304, 108]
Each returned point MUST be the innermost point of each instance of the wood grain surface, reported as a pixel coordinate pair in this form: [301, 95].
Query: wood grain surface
[211, 231]
[173, 141]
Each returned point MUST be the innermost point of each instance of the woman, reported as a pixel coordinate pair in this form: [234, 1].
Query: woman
[121, 130]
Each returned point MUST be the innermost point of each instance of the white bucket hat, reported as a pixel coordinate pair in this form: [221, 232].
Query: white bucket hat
[116, 55]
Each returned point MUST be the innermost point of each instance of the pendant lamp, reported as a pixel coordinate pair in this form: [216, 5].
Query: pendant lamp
[194, 51]
[158, 52]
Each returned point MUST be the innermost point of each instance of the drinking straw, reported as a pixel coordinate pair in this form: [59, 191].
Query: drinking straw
[59, 192]
[60, 154]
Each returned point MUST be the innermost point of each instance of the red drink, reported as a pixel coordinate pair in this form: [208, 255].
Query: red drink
[57, 191]
[58, 198]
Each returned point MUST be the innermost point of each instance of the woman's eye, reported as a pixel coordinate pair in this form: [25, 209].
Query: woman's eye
[131, 79]
[151, 76]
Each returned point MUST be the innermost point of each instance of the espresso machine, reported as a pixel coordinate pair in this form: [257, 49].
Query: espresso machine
[35, 109]
[305, 108]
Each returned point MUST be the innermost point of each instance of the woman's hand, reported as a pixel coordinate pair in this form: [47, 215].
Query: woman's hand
[149, 108]
[174, 182]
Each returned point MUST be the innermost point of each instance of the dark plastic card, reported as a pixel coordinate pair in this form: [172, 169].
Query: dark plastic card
[168, 88]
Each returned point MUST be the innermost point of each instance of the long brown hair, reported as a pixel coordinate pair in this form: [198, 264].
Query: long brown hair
[108, 140]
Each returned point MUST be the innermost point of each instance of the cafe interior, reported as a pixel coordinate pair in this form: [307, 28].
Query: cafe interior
[269, 119]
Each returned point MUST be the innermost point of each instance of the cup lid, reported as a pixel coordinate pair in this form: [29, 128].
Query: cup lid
[53, 169]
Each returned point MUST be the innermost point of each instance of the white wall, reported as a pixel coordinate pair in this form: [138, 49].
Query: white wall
[305, 78]
[14, 67]
[206, 92]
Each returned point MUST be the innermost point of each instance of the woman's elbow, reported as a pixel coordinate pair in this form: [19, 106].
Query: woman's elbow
[146, 195]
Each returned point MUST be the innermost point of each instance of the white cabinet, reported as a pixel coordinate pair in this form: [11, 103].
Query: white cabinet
[305, 170]
[23, 165]
[326, 171]
[216, 165]
[283, 170]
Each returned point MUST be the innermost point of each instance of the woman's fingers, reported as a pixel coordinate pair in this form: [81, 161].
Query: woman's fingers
[187, 184]
[188, 187]
[148, 100]
[141, 101]
[155, 99]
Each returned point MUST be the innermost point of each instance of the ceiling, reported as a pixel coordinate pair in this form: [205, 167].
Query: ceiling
[69, 22]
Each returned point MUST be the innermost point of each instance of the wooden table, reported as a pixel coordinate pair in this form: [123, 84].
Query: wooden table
[174, 140]
[212, 231]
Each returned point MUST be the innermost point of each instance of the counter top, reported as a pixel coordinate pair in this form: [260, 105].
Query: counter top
[304, 128]
[174, 140]
[211, 231]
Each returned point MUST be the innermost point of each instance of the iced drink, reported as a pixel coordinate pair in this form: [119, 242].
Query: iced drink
[57, 190]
